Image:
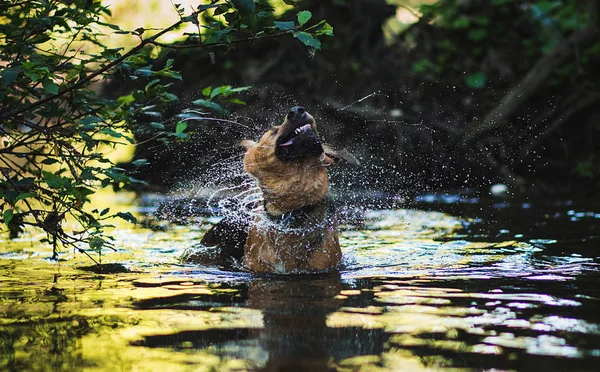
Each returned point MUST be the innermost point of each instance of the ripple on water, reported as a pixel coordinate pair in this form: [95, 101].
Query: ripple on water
[416, 292]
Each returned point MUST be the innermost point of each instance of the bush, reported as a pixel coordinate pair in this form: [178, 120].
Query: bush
[53, 125]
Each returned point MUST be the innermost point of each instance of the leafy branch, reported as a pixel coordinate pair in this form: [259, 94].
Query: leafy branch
[55, 129]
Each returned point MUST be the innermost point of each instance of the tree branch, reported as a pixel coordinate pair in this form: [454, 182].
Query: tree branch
[535, 78]
[89, 77]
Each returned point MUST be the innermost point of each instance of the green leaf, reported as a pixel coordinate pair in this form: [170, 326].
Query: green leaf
[308, 39]
[477, 34]
[25, 195]
[11, 196]
[27, 181]
[240, 89]
[104, 211]
[245, 7]
[224, 8]
[8, 216]
[96, 243]
[127, 216]
[50, 86]
[144, 71]
[141, 162]
[89, 122]
[126, 100]
[169, 97]
[482, 20]
[545, 6]
[111, 132]
[49, 161]
[284, 26]
[169, 74]
[157, 125]
[224, 89]
[83, 191]
[181, 127]
[237, 101]
[53, 181]
[304, 16]
[461, 22]
[151, 84]
[9, 75]
[203, 8]
[206, 91]
[585, 168]
[476, 80]
[326, 30]
[87, 175]
[213, 106]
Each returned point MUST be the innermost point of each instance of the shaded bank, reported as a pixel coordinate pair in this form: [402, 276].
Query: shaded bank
[471, 94]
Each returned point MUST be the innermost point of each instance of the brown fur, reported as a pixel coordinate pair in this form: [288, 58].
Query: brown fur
[289, 186]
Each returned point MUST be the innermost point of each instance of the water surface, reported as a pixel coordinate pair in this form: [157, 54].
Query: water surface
[463, 283]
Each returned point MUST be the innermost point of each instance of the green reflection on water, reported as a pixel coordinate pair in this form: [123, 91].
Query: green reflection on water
[405, 301]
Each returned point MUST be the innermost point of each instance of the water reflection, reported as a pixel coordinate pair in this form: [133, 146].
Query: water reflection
[421, 290]
[291, 335]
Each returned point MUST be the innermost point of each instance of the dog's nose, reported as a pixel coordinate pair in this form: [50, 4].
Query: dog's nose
[296, 112]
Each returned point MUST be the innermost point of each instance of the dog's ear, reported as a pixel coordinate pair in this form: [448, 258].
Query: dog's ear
[342, 156]
[247, 144]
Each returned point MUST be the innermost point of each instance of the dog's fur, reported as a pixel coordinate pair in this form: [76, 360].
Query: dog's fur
[297, 231]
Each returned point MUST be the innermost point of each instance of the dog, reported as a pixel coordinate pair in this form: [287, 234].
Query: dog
[296, 230]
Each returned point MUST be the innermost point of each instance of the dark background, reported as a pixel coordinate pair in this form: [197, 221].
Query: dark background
[473, 93]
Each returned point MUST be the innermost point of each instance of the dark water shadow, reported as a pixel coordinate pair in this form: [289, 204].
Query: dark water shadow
[294, 334]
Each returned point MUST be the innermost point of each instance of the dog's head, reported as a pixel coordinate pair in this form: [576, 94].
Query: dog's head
[295, 140]
[297, 137]
[289, 163]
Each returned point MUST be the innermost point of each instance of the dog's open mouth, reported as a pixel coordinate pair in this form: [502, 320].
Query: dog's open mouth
[297, 132]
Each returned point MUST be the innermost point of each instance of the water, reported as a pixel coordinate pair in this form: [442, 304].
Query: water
[463, 283]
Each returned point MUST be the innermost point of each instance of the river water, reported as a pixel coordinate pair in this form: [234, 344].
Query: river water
[447, 281]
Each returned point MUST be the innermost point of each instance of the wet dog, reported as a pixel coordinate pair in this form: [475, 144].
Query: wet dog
[296, 230]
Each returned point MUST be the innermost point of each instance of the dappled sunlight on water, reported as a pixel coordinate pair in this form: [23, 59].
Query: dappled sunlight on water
[419, 290]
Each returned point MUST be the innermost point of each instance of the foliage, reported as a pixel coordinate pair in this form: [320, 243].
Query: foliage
[54, 126]
[478, 32]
